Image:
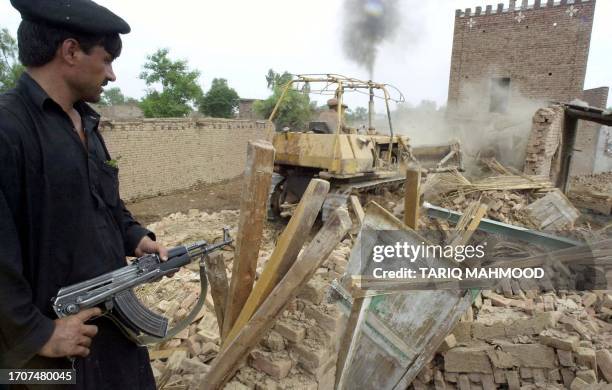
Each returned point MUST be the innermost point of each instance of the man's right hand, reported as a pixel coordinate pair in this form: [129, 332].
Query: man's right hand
[71, 337]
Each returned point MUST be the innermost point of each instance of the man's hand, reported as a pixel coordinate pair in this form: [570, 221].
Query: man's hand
[146, 245]
[71, 337]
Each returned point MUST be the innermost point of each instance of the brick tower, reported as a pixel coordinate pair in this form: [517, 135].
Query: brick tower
[536, 51]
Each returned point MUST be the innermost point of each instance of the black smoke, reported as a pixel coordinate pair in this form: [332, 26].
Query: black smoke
[367, 24]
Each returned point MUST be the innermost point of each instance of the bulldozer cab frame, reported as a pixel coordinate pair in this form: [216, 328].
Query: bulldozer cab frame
[339, 85]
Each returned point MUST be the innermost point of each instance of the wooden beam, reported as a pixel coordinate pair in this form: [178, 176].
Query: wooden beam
[469, 224]
[217, 279]
[253, 210]
[319, 249]
[287, 248]
[356, 206]
[411, 198]
[347, 339]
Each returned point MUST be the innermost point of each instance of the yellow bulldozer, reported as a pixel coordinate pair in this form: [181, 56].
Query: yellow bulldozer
[356, 161]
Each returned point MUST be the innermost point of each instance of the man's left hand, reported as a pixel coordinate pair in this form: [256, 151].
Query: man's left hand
[146, 246]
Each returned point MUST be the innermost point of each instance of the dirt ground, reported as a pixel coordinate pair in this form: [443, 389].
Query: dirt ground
[224, 195]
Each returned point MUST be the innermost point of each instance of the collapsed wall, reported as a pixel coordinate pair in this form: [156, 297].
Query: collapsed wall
[159, 156]
[545, 142]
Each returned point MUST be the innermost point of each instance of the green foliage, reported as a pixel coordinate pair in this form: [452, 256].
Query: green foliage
[220, 101]
[10, 68]
[274, 79]
[180, 89]
[112, 97]
[294, 112]
[359, 115]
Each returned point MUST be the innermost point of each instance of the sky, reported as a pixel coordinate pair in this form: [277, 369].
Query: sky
[241, 40]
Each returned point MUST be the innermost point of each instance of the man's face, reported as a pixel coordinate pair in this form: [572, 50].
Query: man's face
[92, 72]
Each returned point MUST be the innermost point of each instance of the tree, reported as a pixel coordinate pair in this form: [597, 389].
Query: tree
[294, 112]
[10, 68]
[220, 101]
[274, 79]
[359, 115]
[180, 90]
[112, 97]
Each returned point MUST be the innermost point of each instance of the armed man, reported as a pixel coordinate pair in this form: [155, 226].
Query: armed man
[61, 218]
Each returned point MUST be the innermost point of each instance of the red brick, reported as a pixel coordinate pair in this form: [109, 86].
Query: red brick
[512, 378]
[275, 364]
[532, 355]
[464, 382]
[568, 377]
[310, 353]
[291, 329]
[327, 316]
[579, 384]
[463, 359]
[586, 357]
[588, 376]
[559, 340]
[314, 291]
[604, 362]
[566, 358]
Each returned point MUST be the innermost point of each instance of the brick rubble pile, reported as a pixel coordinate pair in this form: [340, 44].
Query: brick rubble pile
[535, 341]
[300, 352]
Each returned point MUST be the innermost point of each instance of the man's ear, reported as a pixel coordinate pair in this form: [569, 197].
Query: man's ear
[69, 51]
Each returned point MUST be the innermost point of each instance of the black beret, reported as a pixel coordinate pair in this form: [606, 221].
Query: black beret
[76, 15]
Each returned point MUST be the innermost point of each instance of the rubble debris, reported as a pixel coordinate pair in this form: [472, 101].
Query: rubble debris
[538, 349]
[553, 212]
[529, 338]
[592, 192]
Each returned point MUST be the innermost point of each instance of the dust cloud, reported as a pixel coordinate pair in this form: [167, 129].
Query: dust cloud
[481, 132]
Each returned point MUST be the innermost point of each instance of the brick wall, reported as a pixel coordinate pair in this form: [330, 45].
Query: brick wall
[542, 47]
[545, 142]
[158, 156]
[119, 111]
[245, 109]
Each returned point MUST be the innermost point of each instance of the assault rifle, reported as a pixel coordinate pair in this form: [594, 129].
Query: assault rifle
[113, 293]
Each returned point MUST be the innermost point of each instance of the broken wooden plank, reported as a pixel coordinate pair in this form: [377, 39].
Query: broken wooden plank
[228, 361]
[287, 248]
[357, 209]
[217, 279]
[411, 198]
[553, 212]
[253, 211]
[347, 339]
[468, 224]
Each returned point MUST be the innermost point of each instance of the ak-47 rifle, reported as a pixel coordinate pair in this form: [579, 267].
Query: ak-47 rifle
[113, 293]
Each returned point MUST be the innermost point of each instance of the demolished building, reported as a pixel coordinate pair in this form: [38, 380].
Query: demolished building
[508, 61]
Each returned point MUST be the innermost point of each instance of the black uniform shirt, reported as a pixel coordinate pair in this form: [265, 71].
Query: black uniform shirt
[61, 218]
